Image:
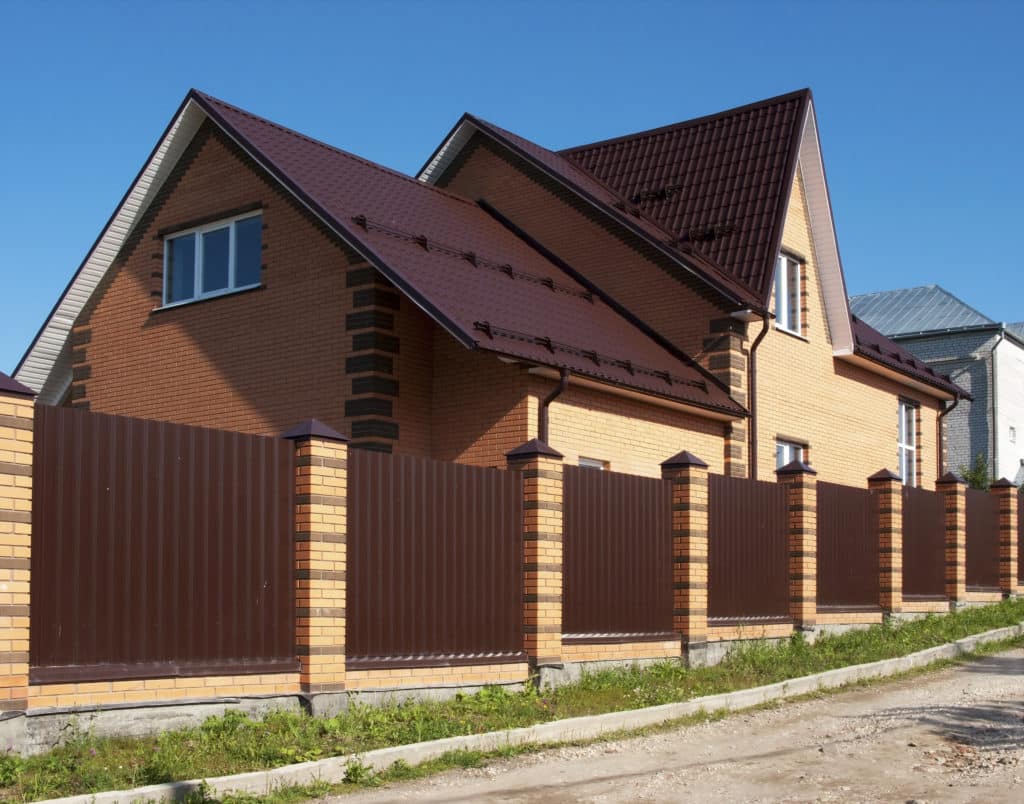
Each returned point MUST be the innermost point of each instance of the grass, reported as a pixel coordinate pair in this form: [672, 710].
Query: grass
[234, 743]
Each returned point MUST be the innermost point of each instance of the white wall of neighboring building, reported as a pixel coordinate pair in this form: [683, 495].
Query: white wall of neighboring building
[1009, 429]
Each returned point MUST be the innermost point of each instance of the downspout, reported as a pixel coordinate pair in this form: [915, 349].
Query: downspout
[542, 419]
[752, 395]
[942, 433]
[995, 405]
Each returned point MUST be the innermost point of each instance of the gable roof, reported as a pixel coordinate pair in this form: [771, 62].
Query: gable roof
[720, 182]
[915, 310]
[485, 286]
[873, 345]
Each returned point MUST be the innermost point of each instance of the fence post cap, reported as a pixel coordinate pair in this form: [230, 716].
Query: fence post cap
[683, 459]
[1002, 483]
[885, 474]
[9, 385]
[533, 449]
[952, 477]
[313, 428]
[795, 468]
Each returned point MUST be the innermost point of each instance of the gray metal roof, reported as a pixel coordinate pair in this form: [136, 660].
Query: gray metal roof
[924, 309]
[1017, 329]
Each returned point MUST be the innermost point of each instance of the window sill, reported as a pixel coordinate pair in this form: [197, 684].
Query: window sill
[792, 334]
[206, 298]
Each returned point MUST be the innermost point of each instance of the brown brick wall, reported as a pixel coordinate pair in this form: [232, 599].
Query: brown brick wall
[677, 305]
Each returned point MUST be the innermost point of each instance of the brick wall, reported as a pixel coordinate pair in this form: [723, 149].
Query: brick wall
[846, 414]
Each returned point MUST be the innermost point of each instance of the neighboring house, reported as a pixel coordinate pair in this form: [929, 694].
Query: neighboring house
[981, 355]
[616, 300]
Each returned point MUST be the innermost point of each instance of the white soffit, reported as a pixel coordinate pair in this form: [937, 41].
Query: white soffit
[823, 235]
[447, 152]
[46, 367]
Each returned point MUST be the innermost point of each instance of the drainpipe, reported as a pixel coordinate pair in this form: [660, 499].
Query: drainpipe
[542, 422]
[752, 394]
[995, 404]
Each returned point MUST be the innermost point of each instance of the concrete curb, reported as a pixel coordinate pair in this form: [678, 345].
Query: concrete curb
[579, 728]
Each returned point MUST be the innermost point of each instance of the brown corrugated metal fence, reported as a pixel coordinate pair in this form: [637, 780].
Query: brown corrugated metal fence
[1020, 537]
[434, 563]
[924, 544]
[617, 557]
[847, 547]
[982, 540]
[159, 550]
[748, 550]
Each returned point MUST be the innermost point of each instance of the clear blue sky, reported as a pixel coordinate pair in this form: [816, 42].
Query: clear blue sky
[919, 105]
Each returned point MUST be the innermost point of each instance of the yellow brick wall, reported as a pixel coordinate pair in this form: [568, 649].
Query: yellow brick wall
[847, 414]
[729, 633]
[426, 676]
[620, 651]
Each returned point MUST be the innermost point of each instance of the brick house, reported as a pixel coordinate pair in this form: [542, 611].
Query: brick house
[983, 356]
[677, 289]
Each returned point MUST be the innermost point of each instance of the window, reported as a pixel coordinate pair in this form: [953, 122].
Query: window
[907, 443]
[593, 463]
[786, 452]
[214, 259]
[1013, 435]
[787, 295]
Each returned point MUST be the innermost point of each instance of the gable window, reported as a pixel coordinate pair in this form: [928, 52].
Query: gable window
[214, 259]
[786, 452]
[906, 445]
[787, 295]
[593, 463]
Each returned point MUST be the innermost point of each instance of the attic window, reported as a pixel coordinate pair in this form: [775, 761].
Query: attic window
[213, 259]
[787, 295]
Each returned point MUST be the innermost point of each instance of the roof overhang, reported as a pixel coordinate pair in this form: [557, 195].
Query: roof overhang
[1001, 329]
[823, 236]
[46, 366]
[896, 376]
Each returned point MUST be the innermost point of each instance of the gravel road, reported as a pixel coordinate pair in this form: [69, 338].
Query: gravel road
[953, 735]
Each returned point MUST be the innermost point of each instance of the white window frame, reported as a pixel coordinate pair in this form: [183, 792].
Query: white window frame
[906, 443]
[788, 319]
[593, 463]
[791, 448]
[198, 232]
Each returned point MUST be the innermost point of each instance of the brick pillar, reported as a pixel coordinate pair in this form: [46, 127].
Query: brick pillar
[802, 501]
[1006, 496]
[889, 488]
[321, 528]
[16, 419]
[542, 550]
[726, 359]
[689, 476]
[954, 490]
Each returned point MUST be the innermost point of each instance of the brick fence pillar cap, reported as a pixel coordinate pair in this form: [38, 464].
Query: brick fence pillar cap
[1002, 483]
[533, 449]
[313, 428]
[949, 477]
[795, 468]
[681, 460]
[885, 474]
[9, 385]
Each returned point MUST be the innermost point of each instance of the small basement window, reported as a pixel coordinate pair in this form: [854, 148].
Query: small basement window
[787, 295]
[593, 463]
[214, 259]
[786, 452]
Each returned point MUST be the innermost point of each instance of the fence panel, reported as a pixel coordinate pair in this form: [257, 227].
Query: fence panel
[982, 540]
[924, 544]
[434, 563]
[748, 550]
[618, 557]
[159, 550]
[1020, 538]
[847, 547]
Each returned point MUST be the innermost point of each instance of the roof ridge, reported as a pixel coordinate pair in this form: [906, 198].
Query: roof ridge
[805, 92]
[326, 145]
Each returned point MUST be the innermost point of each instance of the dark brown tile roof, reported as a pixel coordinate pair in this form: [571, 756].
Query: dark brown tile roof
[473, 275]
[872, 344]
[721, 182]
[627, 213]
[8, 385]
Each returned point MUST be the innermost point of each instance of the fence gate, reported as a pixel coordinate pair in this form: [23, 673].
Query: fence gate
[924, 544]
[159, 550]
[847, 548]
[748, 550]
[982, 540]
[618, 557]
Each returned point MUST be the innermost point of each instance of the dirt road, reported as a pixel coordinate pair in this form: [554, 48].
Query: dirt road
[955, 735]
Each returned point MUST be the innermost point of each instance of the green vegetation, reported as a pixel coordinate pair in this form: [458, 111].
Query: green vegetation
[977, 476]
[234, 743]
